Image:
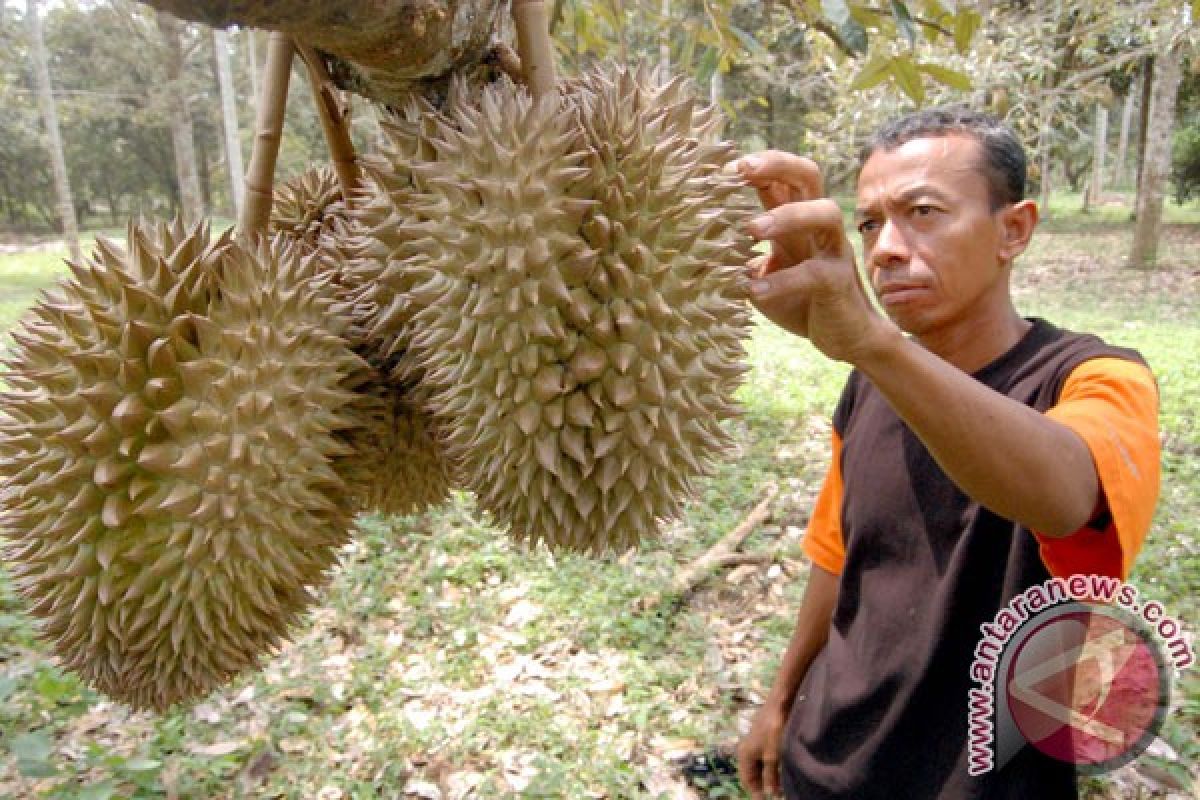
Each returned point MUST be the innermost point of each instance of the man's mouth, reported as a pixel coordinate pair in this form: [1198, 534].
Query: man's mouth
[899, 293]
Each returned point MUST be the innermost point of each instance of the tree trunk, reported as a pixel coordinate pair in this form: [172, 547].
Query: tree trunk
[1123, 139]
[1156, 164]
[1144, 119]
[62, 183]
[1044, 155]
[233, 145]
[1099, 148]
[183, 139]
[383, 50]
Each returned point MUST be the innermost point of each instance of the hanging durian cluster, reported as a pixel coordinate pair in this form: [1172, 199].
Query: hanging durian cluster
[396, 464]
[167, 444]
[564, 281]
[541, 302]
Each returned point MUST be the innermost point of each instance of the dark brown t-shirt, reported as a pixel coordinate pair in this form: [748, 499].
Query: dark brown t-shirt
[882, 712]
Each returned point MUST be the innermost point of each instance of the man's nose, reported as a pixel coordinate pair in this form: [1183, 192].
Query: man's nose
[890, 245]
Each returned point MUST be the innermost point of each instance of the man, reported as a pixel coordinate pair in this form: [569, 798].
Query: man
[974, 457]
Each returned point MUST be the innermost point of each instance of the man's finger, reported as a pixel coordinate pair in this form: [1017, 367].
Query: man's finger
[803, 230]
[784, 297]
[771, 777]
[750, 772]
[801, 176]
[757, 266]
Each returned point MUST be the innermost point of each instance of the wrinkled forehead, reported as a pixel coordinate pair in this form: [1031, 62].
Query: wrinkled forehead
[950, 161]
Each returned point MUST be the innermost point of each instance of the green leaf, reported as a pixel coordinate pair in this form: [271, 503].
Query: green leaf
[33, 751]
[8, 685]
[141, 765]
[908, 78]
[855, 37]
[98, 791]
[874, 73]
[966, 22]
[709, 63]
[55, 686]
[836, 11]
[949, 77]
[852, 33]
[749, 42]
[33, 746]
[904, 22]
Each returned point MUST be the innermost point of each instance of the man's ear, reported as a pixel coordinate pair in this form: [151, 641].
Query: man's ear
[1017, 222]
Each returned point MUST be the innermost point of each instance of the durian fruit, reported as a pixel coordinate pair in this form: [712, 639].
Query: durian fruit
[395, 463]
[169, 504]
[306, 208]
[565, 278]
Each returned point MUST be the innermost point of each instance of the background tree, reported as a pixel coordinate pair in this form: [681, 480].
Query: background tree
[1157, 158]
[62, 184]
[173, 53]
[229, 119]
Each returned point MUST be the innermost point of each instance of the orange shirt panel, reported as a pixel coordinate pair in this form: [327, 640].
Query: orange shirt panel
[823, 542]
[1112, 404]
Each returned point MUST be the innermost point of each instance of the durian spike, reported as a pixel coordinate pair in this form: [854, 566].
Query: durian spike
[268, 132]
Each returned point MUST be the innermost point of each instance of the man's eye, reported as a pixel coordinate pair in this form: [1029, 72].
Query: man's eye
[867, 226]
[923, 210]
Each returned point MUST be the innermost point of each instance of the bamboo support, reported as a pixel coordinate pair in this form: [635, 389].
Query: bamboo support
[268, 132]
[535, 46]
[335, 122]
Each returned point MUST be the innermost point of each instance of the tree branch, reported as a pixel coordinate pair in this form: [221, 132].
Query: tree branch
[720, 555]
[335, 122]
[383, 50]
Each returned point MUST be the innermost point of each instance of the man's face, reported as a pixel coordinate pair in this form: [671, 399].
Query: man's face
[934, 249]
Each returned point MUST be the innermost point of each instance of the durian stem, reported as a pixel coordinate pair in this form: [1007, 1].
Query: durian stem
[268, 132]
[335, 121]
[534, 45]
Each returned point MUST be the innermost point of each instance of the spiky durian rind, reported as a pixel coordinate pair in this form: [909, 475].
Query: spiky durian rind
[566, 278]
[166, 447]
[395, 465]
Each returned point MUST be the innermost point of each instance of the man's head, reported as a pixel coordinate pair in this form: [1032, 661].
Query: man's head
[1003, 157]
[941, 213]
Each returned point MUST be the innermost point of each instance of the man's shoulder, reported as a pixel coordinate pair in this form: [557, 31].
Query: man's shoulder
[1039, 366]
[1054, 349]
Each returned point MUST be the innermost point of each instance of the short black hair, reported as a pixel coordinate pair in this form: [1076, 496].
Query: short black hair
[1004, 163]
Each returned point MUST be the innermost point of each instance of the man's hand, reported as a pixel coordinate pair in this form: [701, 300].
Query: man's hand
[808, 283]
[758, 752]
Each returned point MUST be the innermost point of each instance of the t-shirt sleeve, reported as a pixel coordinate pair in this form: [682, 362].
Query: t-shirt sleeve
[823, 541]
[1112, 404]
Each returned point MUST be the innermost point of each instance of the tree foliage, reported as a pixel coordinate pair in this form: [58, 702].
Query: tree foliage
[815, 76]
[1185, 149]
[112, 99]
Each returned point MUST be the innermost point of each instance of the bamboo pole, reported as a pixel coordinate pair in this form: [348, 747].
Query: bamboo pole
[268, 131]
[534, 45]
[335, 122]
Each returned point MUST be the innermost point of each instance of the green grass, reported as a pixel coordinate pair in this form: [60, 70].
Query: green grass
[445, 654]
